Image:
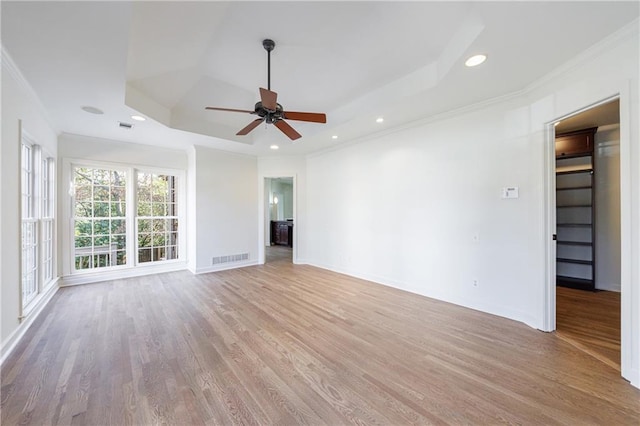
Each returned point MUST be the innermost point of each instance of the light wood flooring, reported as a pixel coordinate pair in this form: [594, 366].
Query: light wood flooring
[278, 254]
[292, 344]
[591, 322]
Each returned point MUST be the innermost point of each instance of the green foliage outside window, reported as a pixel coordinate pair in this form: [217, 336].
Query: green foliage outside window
[100, 211]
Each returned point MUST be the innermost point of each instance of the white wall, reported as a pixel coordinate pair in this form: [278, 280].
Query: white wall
[191, 210]
[607, 202]
[420, 208]
[226, 208]
[98, 149]
[286, 166]
[21, 111]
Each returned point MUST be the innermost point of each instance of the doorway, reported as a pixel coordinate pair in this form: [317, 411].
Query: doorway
[588, 229]
[279, 228]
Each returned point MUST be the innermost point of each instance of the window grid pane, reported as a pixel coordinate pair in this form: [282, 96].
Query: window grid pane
[27, 181]
[157, 220]
[29, 260]
[47, 250]
[100, 218]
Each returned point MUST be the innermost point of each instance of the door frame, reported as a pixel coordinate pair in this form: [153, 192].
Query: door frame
[549, 295]
[263, 214]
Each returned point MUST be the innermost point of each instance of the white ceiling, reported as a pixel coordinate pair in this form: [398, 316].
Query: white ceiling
[354, 61]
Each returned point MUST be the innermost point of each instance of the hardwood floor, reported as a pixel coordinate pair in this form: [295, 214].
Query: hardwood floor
[591, 322]
[290, 344]
[278, 254]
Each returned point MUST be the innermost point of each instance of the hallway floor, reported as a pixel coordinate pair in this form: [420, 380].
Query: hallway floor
[591, 322]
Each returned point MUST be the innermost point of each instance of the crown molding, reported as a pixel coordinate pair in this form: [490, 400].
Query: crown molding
[11, 68]
[629, 31]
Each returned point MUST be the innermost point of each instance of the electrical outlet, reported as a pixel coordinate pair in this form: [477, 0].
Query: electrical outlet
[475, 283]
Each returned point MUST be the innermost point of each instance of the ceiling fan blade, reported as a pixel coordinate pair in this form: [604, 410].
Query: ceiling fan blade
[314, 117]
[287, 130]
[229, 109]
[269, 99]
[250, 126]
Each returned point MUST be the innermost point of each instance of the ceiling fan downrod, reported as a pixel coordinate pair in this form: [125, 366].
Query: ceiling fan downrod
[268, 45]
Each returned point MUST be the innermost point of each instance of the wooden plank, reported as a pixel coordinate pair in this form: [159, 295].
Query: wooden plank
[294, 344]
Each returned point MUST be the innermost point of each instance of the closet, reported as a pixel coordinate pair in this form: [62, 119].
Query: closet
[575, 209]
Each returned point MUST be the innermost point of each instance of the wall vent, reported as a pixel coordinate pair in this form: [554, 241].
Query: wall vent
[230, 258]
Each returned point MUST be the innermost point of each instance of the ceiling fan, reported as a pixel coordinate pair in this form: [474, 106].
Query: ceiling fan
[272, 112]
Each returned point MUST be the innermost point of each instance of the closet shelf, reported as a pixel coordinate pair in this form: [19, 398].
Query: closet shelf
[574, 243]
[574, 171]
[573, 282]
[574, 206]
[571, 188]
[574, 261]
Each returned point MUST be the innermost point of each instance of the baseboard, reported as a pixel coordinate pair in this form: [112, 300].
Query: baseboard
[22, 328]
[635, 378]
[609, 287]
[500, 311]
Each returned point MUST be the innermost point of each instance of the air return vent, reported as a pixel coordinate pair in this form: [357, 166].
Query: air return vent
[230, 258]
[124, 125]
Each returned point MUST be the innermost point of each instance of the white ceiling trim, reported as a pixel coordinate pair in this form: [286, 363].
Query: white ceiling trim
[9, 65]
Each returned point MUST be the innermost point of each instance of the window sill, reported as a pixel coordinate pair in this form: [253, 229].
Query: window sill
[114, 274]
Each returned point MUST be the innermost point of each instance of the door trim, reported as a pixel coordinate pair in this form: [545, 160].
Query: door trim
[549, 314]
[263, 214]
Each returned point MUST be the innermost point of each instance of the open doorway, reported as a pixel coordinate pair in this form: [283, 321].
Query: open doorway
[588, 223]
[279, 219]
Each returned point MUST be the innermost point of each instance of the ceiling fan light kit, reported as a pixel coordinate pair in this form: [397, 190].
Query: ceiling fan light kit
[270, 111]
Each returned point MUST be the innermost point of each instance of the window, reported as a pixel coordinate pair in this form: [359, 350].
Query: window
[38, 221]
[157, 217]
[29, 225]
[47, 221]
[115, 215]
[99, 217]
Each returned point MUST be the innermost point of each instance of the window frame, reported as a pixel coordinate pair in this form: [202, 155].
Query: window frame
[38, 253]
[29, 235]
[68, 246]
[73, 218]
[155, 217]
[47, 218]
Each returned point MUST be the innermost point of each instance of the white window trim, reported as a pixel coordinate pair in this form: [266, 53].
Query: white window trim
[131, 268]
[48, 162]
[42, 284]
[179, 217]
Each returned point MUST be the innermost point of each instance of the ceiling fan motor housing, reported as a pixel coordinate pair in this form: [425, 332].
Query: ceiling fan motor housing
[269, 116]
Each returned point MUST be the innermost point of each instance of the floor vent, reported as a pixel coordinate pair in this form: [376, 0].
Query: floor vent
[230, 258]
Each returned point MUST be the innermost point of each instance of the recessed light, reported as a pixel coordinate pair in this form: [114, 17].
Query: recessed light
[92, 110]
[274, 147]
[379, 120]
[138, 118]
[334, 137]
[475, 60]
